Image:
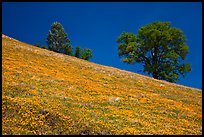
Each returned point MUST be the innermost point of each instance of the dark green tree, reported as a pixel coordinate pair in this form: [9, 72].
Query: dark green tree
[77, 52]
[86, 54]
[159, 47]
[37, 44]
[44, 47]
[58, 40]
[67, 49]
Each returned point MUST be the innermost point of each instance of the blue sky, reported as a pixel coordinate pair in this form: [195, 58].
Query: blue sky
[97, 25]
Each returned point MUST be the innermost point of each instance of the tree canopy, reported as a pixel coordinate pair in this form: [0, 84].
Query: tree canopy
[160, 48]
[58, 40]
[77, 52]
[86, 54]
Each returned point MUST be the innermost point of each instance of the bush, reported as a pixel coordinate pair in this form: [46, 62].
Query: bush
[37, 44]
[86, 54]
[77, 52]
[44, 47]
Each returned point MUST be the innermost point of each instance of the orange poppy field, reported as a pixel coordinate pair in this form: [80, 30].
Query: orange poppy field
[46, 93]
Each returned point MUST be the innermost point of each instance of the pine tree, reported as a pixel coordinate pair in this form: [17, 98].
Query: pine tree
[58, 40]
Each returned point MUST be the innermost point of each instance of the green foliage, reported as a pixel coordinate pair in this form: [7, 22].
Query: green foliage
[44, 47]
[67, 49]
[77, 52]
[159, 47]
[37, 44]
[58, 40]
[86, 54]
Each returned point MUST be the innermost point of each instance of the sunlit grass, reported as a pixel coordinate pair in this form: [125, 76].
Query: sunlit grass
[49, 93]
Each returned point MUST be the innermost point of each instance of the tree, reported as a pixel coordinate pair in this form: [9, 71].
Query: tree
[159, 47]
[37, 44]
[44, 47]
[67, 49]
[77, 52]
[86, 54]
[58, 40]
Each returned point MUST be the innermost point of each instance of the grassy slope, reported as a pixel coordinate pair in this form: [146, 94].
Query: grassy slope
[49, 93]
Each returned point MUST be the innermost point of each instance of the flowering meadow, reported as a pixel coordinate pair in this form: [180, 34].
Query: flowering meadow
[46, 93]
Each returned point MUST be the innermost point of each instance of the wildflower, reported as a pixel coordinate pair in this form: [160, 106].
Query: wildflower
[161, 85]
[117, 99]
[112, 99]
[134, 121]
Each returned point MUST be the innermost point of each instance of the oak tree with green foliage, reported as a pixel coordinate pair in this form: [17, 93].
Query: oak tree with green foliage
[58, 40]
[160, 48]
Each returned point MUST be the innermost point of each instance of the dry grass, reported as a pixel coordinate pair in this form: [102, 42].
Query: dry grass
[49, 93]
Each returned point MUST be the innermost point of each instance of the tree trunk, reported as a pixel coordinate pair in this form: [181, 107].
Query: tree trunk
[155, 75]
[154, 62]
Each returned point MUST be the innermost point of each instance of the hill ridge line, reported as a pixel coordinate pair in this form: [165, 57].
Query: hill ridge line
[44, 92]
[37, 50]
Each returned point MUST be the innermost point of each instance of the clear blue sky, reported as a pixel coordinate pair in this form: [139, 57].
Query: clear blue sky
[97, 25]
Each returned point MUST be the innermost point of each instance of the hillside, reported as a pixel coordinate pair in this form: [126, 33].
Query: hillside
[44, 92]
